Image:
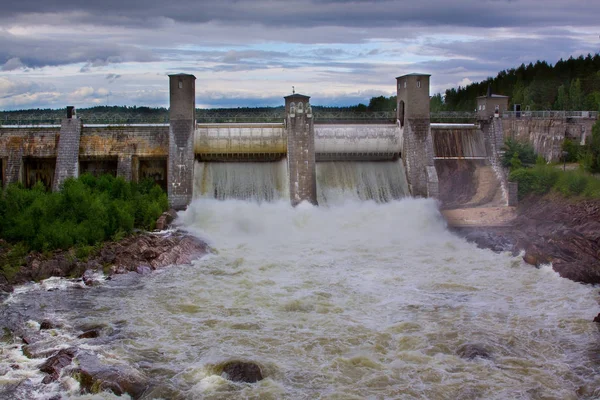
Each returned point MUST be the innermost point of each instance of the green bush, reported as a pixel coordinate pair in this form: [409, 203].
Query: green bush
[541, 179]
[517, 150]
[86, 211]
[572, 148]
[590, 155]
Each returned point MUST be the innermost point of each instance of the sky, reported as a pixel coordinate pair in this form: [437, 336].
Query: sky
[247, 53]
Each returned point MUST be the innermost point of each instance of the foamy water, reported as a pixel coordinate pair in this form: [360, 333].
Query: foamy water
[356, 301]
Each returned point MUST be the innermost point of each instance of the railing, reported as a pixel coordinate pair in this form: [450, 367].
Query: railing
[232, 116]
[90, 119]
[275, 116]
[550, 114]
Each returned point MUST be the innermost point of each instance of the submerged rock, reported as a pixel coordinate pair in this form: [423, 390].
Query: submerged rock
[471, 350]
[53, 365]
[95, 376]
[240, 371]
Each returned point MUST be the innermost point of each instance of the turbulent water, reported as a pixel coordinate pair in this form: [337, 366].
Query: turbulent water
[357, 301]
[337, 182]
[254, 181]
[342, 181]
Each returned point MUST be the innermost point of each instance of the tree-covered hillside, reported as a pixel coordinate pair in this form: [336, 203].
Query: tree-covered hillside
[572, 84]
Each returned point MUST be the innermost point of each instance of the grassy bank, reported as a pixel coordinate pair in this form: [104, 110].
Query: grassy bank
[85, 213]
[542, 179]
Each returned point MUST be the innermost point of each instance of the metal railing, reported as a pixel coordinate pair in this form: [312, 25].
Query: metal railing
[550, 114]
[274, 116]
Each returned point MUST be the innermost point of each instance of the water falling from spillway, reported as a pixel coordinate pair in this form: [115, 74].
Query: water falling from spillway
[254, 181]
[341, 181]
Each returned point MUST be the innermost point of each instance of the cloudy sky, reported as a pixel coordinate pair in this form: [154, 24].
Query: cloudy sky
[251, 52]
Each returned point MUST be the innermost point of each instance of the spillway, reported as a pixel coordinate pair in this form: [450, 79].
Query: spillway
[253, 181]
[342, 181]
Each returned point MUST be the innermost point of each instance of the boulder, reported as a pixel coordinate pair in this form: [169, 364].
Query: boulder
[95, 376]
[241, 371]
[53, 365]
[470, 351]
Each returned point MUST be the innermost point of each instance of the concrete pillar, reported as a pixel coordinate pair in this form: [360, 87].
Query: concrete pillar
[414, 120]
[182, 115]
[125, 167]
[14, 163]
[67, 152]
[301, 149]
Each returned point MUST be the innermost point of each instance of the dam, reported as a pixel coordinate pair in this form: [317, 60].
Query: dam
[371, 298]
[299, 158]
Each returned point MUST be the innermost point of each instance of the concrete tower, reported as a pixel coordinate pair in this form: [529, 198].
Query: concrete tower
[182, 115]
[414, 120]
[67, 151]
[301, 149]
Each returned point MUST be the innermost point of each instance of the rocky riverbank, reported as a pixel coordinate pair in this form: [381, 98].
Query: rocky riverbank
[549, 229]
[142, 253]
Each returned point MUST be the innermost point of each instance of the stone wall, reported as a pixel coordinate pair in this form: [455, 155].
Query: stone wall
[301, 150]
[547, 134]
[17, 143]
[112, 141]
[125, 143]
[67, 160]
[182, 116]
[417, 155]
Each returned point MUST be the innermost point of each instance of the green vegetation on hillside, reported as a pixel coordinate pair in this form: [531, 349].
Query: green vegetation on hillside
[85, 212]
[572, 84]
[542, 178]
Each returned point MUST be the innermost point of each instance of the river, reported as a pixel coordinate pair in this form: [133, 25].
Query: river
[354, 301]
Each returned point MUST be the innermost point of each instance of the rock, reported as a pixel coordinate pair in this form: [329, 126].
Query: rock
[94, 376]
[91, 334]
[165, 220]
[471, 350]
[108, 255]
[88, 278]
[143, 270]
[531, 259]
[53, 365]
[161, 223]
[48, 324]
[597, 319]
[240, 371]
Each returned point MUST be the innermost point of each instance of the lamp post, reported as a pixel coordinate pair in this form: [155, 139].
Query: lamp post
[565, 154]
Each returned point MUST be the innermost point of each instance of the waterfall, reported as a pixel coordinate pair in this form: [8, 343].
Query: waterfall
[381, 181]
[254, 181]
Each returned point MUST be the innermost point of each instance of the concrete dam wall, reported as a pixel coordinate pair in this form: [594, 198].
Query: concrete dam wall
[268, 142]
[547, 135]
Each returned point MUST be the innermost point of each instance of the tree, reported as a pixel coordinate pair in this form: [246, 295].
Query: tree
[562, 100]
[576, 95]
[590, 159]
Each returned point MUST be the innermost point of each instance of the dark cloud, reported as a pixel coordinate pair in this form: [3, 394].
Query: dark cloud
[20, 51]
[112, 77]
[311, 13]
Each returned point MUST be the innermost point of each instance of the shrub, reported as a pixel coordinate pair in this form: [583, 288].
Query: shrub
[590, 155]
[541, 179]
[572, 148]
[523, 151]
[86, 211]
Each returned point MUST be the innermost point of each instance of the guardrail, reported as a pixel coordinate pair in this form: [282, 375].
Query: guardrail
[550, 114]
[231, 116]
